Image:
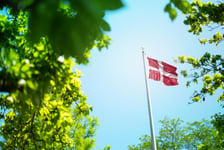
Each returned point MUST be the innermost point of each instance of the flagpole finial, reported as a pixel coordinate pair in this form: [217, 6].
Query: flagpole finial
[143, 52]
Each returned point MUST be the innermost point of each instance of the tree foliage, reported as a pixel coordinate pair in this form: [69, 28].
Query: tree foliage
[171, 7]
[31, 44]
[40, 91]
[174, 135]
[42, 105]
[72, 27]
[209, 68]
[171, 134]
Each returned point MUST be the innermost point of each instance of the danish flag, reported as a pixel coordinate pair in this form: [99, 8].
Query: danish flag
[161, 71]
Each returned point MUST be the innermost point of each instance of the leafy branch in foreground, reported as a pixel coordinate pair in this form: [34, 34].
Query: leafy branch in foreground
[182, 5]
[72, 27]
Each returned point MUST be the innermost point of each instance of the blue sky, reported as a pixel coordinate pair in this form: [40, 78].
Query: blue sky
[114, 79]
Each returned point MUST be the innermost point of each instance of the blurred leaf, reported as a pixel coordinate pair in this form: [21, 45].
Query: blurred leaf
[168, 7]
[172, 14]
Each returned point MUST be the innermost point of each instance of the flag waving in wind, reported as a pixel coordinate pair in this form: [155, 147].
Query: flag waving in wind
[161, 71]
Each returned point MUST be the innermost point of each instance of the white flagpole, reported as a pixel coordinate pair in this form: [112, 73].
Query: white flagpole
[149, 105]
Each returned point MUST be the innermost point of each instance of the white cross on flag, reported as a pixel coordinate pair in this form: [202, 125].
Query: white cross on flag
[161, 71]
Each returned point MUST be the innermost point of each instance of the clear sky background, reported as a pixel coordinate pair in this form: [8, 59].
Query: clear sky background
[114, 80]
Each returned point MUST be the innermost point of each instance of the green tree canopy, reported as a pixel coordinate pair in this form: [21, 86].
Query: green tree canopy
[42, 105]
[174, 134]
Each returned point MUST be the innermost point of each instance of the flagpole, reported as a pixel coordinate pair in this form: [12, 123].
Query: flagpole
[149, 105]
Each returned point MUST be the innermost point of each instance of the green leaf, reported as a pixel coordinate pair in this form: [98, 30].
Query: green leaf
[172, 14]
[168, 7]
[111, 5]
[24, 3]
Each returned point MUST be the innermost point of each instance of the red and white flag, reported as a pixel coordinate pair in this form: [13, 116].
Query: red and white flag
[161, 71]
